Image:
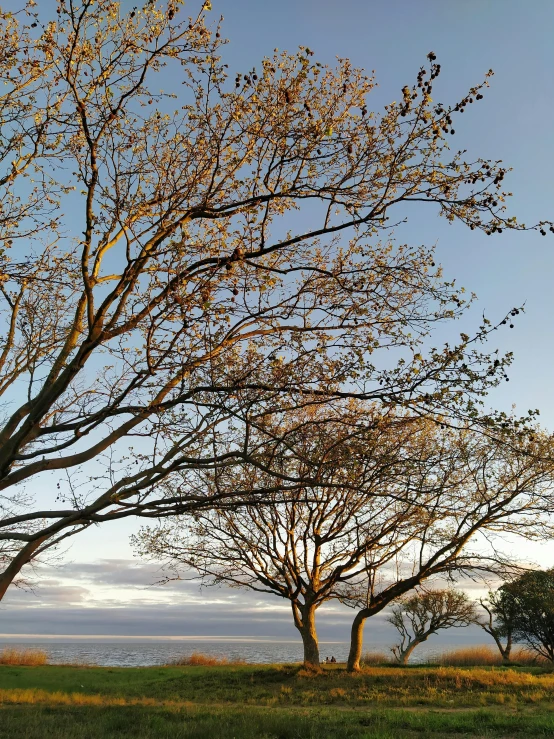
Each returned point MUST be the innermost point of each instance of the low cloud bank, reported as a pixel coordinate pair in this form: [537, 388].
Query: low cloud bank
[118, 597]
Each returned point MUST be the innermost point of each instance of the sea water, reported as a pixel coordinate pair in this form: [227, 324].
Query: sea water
[142, 653]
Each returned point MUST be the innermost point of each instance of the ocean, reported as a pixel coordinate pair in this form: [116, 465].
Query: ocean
[148, 652]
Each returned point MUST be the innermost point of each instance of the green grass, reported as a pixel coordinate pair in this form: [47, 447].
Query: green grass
[274, 702]
[255, 723]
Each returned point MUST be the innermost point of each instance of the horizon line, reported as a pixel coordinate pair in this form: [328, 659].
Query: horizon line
[111, 637]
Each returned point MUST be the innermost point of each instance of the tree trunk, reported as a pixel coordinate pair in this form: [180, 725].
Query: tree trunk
[504, 651]
[356, 642]
[404, 654]
[309, 637]
[507, 650]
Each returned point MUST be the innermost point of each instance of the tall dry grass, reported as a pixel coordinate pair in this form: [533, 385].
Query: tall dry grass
[377, 658]
[23, 657]
[197, 659]
[485, 656]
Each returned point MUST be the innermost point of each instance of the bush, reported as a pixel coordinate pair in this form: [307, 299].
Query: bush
[28, 657]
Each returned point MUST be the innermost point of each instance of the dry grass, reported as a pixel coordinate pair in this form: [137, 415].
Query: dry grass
[485, 656]
[60, 698]
[376, 658]
[27, 657]
[178, 688]
[197, 659]
[468, 657]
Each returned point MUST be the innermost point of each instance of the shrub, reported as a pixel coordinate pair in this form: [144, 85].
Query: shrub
[28, 657]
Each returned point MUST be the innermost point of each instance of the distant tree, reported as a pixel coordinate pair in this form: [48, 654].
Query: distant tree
[417, 617]
[531, 599]
[500, 609]
[155, 294]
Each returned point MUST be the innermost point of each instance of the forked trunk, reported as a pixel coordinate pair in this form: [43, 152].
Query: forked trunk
[311, 650]
[356, 643]
[505, 651]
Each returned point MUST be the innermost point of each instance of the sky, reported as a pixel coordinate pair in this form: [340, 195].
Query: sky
[97, 587]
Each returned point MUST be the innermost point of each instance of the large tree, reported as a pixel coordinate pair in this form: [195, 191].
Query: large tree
[151, 277]
[383, 503]
[307, 541]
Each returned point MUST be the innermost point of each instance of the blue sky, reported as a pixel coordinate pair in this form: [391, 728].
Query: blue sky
[512, 123]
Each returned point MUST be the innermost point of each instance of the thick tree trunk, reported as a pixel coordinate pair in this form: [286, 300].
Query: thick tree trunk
[356, 642]
[309, 637]
[357, 631]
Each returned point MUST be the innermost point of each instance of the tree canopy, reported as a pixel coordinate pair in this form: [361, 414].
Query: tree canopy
[424, 613]
[159, 298]
[531, 601]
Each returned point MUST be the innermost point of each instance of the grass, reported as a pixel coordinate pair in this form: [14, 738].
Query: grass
[377, 658]
[480, 656]
[274, 702]
[240, 723]
[196, 659]
[29, 657]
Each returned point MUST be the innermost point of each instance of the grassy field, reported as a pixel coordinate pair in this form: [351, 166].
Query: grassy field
[274, 702]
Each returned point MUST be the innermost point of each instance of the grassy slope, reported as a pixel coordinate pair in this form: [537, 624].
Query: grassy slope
[270, 702]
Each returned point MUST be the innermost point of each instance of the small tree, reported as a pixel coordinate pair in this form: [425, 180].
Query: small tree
[531, 598]
[499, 621]
[418, 616]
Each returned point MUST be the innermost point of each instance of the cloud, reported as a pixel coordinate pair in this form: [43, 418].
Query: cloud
[161, 621]
[112, 572]
[50, 592]
[118, 597]
[214, 621]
